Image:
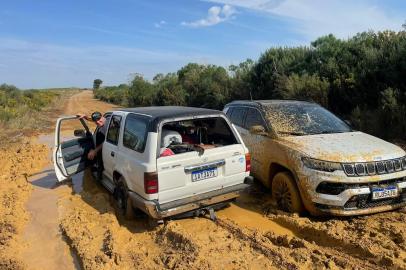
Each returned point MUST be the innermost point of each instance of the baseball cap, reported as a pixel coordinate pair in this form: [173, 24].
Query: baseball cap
[96, 116]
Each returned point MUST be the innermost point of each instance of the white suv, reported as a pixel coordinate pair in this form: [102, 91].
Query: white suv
[164, 161]
[313, 160]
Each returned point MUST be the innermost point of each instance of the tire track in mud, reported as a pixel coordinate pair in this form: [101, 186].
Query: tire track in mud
[305, 254]
[104, 239]
[314, 243]
[379, 239]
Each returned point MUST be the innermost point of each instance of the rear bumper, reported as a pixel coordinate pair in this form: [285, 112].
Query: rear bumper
[160, 211]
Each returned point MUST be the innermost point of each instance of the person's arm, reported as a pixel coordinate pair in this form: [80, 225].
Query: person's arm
[93, 152]
[98, 148]
[83, 116]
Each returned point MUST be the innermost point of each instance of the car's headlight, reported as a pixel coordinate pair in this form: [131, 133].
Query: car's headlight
[321, 165]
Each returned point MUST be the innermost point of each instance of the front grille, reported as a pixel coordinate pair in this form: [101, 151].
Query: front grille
[397, 164]
[371, 168]
[334, 188]
[365, 201]
[349, 169]
[377, 167]
[380, 167]
[389, 166]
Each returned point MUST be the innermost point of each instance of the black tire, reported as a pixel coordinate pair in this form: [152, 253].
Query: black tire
[122, 199]
[286, 194]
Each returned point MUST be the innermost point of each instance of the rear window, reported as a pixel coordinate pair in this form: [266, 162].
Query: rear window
[195, 135]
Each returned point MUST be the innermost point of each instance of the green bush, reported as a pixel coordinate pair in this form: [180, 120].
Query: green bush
[16, 105]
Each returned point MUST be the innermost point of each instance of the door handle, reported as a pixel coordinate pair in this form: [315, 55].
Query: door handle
[112, 153]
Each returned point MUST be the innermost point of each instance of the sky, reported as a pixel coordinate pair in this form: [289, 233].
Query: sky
[51, 43]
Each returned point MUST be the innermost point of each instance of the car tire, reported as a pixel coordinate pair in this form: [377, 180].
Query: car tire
[286, 194]
[123, 201]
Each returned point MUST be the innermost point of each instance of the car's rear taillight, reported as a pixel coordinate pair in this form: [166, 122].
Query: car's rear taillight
[151, 182]
[247, 162]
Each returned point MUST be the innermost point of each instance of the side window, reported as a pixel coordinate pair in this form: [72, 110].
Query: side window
[114, 129]
[229, 112]
[253, 119]
[135, 133]
[237, 117]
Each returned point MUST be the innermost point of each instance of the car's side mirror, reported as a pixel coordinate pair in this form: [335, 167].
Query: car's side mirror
[258, 130]
[79, 133]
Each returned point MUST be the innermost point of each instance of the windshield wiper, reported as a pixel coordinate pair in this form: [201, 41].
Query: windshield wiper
[327, 132]
[292, 133]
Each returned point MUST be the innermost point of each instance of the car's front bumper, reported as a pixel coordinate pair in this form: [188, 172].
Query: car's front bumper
[161, 211]
[356, 199]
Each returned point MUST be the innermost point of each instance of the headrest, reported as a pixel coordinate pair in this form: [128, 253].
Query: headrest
[170, 136]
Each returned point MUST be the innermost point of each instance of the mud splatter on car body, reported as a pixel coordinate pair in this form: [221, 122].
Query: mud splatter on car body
[318, 150]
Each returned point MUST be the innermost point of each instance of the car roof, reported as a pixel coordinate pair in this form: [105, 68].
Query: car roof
[260, 103]
[160, 113]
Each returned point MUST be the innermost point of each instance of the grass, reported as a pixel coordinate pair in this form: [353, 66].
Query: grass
[29, 111]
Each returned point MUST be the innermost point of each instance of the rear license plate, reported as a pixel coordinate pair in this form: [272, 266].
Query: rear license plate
[204, 174]
[384, 192]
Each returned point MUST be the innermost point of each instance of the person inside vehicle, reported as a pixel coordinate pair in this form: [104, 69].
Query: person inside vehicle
[100, 121]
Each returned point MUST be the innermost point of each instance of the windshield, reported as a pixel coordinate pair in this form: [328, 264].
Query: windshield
[303, 119]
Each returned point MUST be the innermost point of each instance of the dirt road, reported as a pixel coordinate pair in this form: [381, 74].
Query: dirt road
[250, 234]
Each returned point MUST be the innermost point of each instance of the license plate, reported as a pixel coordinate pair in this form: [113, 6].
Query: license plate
[204, 174]
[384, 192]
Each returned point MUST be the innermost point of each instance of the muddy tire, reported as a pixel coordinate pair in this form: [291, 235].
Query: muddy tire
[123, 201]
[286, 194]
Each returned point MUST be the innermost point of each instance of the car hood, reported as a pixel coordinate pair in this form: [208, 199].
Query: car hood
[344, 147]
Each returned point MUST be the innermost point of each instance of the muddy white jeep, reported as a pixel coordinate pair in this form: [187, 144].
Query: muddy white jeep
[165, 161]
[313, 160]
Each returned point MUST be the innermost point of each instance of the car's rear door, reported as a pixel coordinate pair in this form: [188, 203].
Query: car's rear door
[187, 174]
[70, 150]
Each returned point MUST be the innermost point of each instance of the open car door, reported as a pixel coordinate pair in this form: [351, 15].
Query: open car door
[70, 150]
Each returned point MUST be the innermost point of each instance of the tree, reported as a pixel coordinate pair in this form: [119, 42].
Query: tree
[241, 83]
[97, 83]
[141, 92]
[304, 87]
[169, 91]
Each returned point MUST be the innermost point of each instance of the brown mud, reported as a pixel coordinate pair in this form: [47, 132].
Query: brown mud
[250, 234]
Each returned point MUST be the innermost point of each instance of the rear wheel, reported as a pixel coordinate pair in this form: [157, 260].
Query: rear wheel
[123, 201]
[286, 193]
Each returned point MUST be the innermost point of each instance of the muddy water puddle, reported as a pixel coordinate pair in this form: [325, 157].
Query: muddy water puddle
[47, 248]
[251, 219]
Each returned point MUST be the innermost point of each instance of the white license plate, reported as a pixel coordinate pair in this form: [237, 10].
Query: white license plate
[386, 192]
[204, 174]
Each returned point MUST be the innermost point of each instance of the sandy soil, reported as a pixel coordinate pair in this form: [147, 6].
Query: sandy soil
[17, 162]
[250, 234]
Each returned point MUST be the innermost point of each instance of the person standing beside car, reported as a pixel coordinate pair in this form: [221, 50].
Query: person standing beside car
[100, 121]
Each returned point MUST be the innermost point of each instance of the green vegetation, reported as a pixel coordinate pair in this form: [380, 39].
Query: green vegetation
[23, 109]
[97, 83]
[362, 79]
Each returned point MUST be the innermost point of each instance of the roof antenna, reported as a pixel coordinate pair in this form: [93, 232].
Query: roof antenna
[250, 95]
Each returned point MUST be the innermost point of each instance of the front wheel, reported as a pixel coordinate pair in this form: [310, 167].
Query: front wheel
[286, 193]
[123, 201]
